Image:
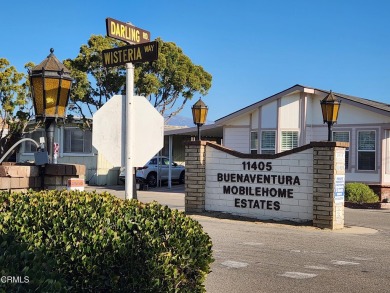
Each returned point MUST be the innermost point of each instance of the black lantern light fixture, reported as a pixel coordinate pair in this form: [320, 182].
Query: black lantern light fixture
[330, 111]
[199, 114]
[50, 87]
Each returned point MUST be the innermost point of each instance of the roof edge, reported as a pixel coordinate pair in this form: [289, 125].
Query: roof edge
[254, 105]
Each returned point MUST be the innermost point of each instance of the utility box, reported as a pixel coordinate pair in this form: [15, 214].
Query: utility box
[41, 158]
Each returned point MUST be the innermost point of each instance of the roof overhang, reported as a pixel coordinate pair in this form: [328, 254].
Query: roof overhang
[255, 106]
[209, 130]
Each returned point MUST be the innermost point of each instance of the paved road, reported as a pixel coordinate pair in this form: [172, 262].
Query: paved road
[263, 257]
[253, 256]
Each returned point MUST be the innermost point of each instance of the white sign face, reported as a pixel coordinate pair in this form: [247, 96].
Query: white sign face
[109, 130]
[339, 188]
[278, 189]
[148, 131]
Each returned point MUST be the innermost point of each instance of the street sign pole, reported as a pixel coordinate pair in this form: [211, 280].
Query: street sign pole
[140, 50]
[129, 131]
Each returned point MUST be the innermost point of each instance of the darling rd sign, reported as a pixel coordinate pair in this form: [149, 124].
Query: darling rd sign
[126, 32]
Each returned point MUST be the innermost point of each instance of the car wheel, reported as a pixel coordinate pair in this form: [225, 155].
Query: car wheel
[151, 179]
[182, 178]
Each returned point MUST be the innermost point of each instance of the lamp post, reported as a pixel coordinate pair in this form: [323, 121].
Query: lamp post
[330, 111]
[199, 114]
[50, 87]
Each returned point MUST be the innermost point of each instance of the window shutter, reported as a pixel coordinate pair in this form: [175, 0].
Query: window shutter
[289, 140]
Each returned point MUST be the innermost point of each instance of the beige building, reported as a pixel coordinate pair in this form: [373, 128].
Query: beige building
[293, 118]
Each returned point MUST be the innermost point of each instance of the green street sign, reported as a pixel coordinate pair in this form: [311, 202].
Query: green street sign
[145, 52]
[126, 32]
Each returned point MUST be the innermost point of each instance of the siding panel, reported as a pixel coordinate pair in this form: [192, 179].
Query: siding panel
[237, 138]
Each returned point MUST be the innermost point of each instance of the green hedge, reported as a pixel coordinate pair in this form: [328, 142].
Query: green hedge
[360, 193]
[30, 271]
[101, 243]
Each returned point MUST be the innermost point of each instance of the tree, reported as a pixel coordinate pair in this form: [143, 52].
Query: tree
[168, 83]
[88, 96]
[171, 78]
[15, 109]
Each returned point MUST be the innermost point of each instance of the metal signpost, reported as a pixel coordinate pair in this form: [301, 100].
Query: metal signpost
[143, 52]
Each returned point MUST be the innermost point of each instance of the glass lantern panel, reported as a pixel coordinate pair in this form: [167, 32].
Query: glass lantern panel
[51, 87]
[38, 95]
[335, 111]
[203, 115]
[196, 115]
[65, 87]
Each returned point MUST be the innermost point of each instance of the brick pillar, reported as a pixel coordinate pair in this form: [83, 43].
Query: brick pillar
[328, 184]
[195, 181]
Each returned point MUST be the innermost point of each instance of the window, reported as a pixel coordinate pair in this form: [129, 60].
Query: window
[343, 136]
[366, 150]
[165, 162]
[268, 142]
[254, 142]
[77, 140]
[30, 147]
[289, 140]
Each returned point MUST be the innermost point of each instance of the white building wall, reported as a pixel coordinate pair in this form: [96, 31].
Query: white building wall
[269, 114]
[313, 113]
[350, 114]
[237, 138]
[351, 118]
[289, 112]
[255, 119]
[299, 207]
[243, 120]
[316, 133]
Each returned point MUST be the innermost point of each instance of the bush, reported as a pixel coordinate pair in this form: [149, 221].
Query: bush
[30, 271]
[101, 243]
[360, 193]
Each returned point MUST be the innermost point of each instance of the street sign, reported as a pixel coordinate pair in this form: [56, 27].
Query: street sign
[142, 52]
[126, 32]
[130, 54]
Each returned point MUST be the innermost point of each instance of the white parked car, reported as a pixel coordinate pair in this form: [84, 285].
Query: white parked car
[157, 169]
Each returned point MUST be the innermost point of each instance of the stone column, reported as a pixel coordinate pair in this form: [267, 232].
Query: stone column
[328, 184]
[195, 180]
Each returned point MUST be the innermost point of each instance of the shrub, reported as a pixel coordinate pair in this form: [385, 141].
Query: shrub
[30, 271]
[360, 193]
[101, 243]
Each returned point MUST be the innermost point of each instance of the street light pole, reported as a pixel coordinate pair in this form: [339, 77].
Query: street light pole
[49, 130]
[330, 124]
[50, 83]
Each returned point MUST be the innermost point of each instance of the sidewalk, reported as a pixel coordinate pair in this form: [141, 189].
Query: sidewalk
[174, 198]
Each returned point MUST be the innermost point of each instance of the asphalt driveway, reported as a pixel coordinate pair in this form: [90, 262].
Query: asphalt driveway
[255, 256]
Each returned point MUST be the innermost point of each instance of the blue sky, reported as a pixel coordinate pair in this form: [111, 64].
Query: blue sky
[253, 49]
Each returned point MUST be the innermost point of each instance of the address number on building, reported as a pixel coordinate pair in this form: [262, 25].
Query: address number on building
[256, 166]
